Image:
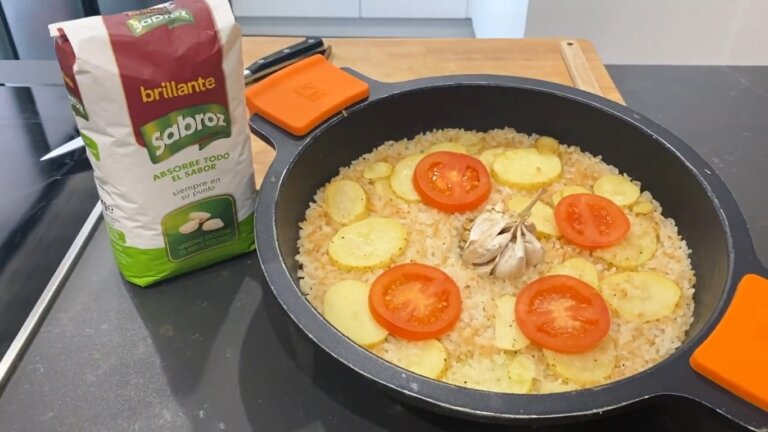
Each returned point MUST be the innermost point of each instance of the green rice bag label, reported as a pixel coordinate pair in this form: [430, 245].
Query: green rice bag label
[198, 125]
[115, 234]
[91, 145]
[200, 227]
[77, 106]
[152, 18]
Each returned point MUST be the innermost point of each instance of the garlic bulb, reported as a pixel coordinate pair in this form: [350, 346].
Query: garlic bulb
[525, 252]
[511, 261]
[487, 238]
[502, 246]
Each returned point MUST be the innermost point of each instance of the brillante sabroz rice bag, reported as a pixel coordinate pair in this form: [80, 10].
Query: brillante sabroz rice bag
[158, 97]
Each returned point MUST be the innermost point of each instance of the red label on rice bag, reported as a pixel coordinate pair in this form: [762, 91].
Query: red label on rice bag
[170, 63]
[66, 56]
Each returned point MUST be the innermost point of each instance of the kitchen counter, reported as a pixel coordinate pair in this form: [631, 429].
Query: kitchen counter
[214, 351]
[41, 206]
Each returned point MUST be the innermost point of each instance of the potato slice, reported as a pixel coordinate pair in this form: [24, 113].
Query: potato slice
[508, 334]
[369, 243]
[526, 168]
[401, 179]
[546, 144]
[345, 201]
[487, 157]
[377, 170]
[542, 215]
[568, 190]
[522, 370]
[448, 146]
[641, 296]
[557, 387]
[345, 306]
[585, 368]
[579, 268]
[489, 373]
[422, 357]
[636, 248]
[642, 207]
[471, 142]
[617, 188]
[382, 187]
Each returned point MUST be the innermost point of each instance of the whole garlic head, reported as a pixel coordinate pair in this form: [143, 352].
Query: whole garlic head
[487, 238]
[502, 246]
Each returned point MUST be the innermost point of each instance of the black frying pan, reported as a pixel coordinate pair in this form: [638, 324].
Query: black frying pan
[705, 211]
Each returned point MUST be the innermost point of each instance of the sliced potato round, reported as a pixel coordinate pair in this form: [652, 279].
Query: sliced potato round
[542, 215]
[637, 247]
[522, 370]
[489, 373]
[617, 188]
[377, 170]
[487, 157]
[369, 243]
[382, 187]
[345, 306]
[568, 190]
[471, 142]
[578, 268]
[641, 296]
[556, 386]
[642, 207]
[508, 334]
[546, 144]
[401, 179]
[526, 168]
[422, 357]
[345, 201]
[585, 368]
[448, 146]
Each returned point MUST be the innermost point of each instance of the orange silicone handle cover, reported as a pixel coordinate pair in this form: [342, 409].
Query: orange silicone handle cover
[735, 355]
[304, 94]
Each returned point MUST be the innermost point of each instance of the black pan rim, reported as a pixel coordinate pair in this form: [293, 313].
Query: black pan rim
[585, 402]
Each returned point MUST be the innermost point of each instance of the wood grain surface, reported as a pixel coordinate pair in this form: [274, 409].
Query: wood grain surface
[403, 59]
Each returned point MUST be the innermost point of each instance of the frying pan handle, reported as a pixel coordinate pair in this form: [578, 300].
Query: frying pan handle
[281, 140]
[729, 369]
[273, 135]
[290, 105]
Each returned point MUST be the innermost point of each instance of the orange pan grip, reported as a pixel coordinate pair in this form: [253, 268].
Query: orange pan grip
[735, 355]
[304, 94]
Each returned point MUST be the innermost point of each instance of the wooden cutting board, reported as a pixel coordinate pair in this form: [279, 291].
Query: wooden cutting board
[403, 59]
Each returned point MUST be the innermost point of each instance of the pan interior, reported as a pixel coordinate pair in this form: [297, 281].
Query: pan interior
[483, 107]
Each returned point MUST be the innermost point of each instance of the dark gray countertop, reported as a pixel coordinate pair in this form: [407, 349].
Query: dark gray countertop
[213, 350]
[41, 207]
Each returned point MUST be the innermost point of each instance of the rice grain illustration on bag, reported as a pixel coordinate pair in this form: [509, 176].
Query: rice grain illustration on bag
[158, 97]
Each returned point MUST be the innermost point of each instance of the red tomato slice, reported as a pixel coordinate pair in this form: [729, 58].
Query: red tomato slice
[452, 182]
[562, 313]
[591, 221]
[415, 301]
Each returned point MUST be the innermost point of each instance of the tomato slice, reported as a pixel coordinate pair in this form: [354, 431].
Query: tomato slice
[452, 182]
[415, 301]
[591, 221]
[562, 313]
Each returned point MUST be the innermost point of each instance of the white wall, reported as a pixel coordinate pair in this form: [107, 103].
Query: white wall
[354, 18]
[437, 9]
[297, 8]
[659, 31]
[498, 18]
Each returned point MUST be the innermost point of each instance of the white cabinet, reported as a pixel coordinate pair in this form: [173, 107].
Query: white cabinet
[297, 8]
[436, 9]
[413, 8]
